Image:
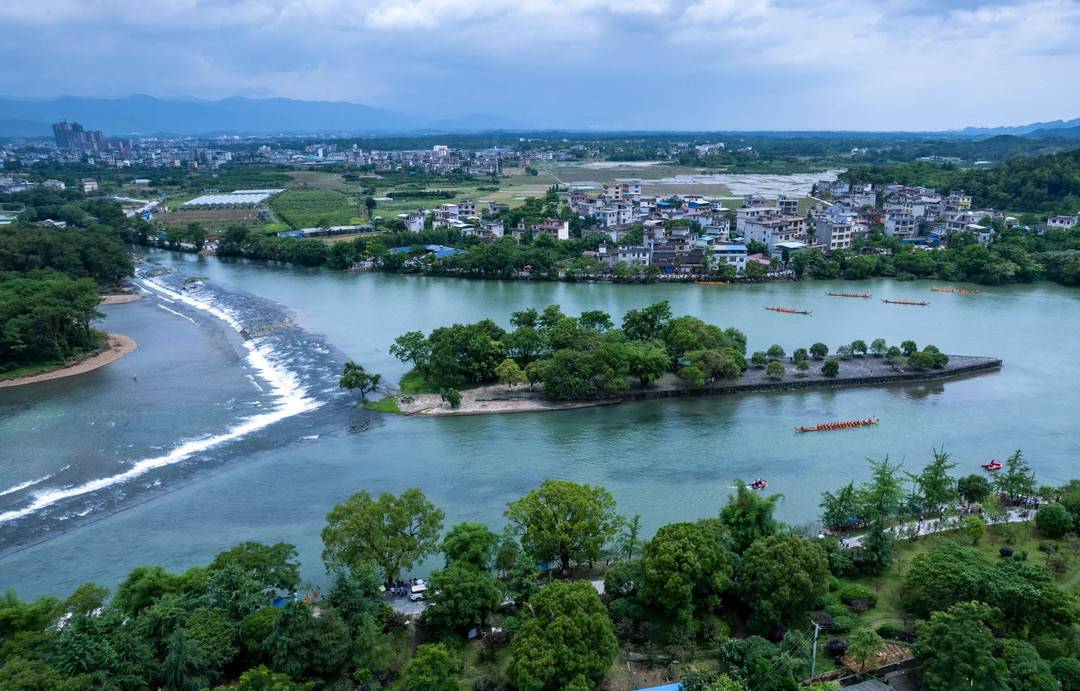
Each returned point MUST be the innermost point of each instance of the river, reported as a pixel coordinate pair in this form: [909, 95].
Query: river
[197, 440]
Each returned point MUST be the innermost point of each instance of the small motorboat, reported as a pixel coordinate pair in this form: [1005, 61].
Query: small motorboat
[758, 485]
[993, 466]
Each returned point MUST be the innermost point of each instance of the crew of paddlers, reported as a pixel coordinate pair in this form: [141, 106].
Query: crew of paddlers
[830, 426]
[849, 295]
[919, 303]
[959, 291]
[787, 310]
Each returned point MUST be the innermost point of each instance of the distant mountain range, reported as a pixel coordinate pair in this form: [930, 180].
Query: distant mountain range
[1044, 129]
[147, 115]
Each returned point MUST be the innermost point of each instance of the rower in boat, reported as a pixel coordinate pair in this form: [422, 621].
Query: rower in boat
[992, 466]
[758, 484]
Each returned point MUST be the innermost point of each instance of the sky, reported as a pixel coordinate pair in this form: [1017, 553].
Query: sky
[607, 64]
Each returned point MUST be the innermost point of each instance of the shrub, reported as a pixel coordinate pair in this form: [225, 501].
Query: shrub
[850, 592]
[831, 368]
[836, 647]
[836, 610]
[1005, 552]
[889, 631]
[843, 624]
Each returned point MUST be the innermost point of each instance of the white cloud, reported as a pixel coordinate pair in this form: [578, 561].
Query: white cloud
[686, 63]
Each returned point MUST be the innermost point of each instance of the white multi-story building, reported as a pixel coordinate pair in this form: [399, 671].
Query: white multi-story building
[730, 254]
[789, 206]
[771, 231]
[835, 231]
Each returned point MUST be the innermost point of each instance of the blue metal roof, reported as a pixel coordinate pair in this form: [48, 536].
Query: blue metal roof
[666, 687]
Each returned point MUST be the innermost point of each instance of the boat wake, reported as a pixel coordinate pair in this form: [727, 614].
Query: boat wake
[289, 390]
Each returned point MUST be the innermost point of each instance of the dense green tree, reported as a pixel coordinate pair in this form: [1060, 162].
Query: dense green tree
[937, 486]
[471, 544]
[1067, 671]
[524, 343]
[749, 516]
[955, 650]
[565, 521]
[355, 377]
[686, 568]
[831, 368]
[647, 361]
[411, 347]
[819, 351]
[864, 645]
[775, 369]
[1026, 670]
[304, 646]
[186, 666]
[565, 640]
[461, 597]
[274, 566]
[510, 373]
[648, 323]
[908, 348]
[775, 352]
[858, 347]
[262, 679]
[973, 488]
[569, 376]
[1053, 520]
[356, 595]
[465, 354]
[879, 347]
[391, 532]
[432, 668]
[780, 579]
[1016, 479]
[842, 509]
[596, 320]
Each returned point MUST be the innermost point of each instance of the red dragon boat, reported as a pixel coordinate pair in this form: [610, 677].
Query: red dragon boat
[958, 291]
[830, 426]
[993, 466]
[787, 310]
[918, 303]
[849, 295]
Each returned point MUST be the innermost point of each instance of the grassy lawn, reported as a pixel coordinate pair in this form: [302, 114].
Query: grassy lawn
[28, 370]
[387, 404]
[1018, 536]
[414, 382]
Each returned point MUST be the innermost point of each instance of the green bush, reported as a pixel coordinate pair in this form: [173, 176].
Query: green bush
[850, 592]
[843, 624]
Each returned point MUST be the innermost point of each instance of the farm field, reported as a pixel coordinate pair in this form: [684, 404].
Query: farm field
[309, 207]
[208, 218]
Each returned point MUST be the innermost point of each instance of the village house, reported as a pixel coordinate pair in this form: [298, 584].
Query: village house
[835, 230]
[1061, 222]
[773, 230]
[901, 225]
[730, 254]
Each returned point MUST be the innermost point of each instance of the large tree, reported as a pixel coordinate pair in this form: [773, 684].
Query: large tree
[780, 579]
[565, 640]
[275, 566]
[461, 597]
[749, 516]
[391, 532]
[686, 568]
[565, 521]
[955, 650]
[432, 668]
[472, 544]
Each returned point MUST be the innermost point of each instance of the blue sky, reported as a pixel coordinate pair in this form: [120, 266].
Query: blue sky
[650, 64]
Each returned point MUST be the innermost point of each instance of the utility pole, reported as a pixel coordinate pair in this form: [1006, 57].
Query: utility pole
[813, 660]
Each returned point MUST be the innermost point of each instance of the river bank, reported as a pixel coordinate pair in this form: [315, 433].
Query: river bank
[116, 346]
[120, 298]
[858, 371]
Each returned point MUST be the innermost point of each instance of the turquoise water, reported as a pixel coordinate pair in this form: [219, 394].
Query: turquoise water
[668, 460]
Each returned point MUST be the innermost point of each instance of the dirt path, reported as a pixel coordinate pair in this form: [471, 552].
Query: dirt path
[116, 347]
